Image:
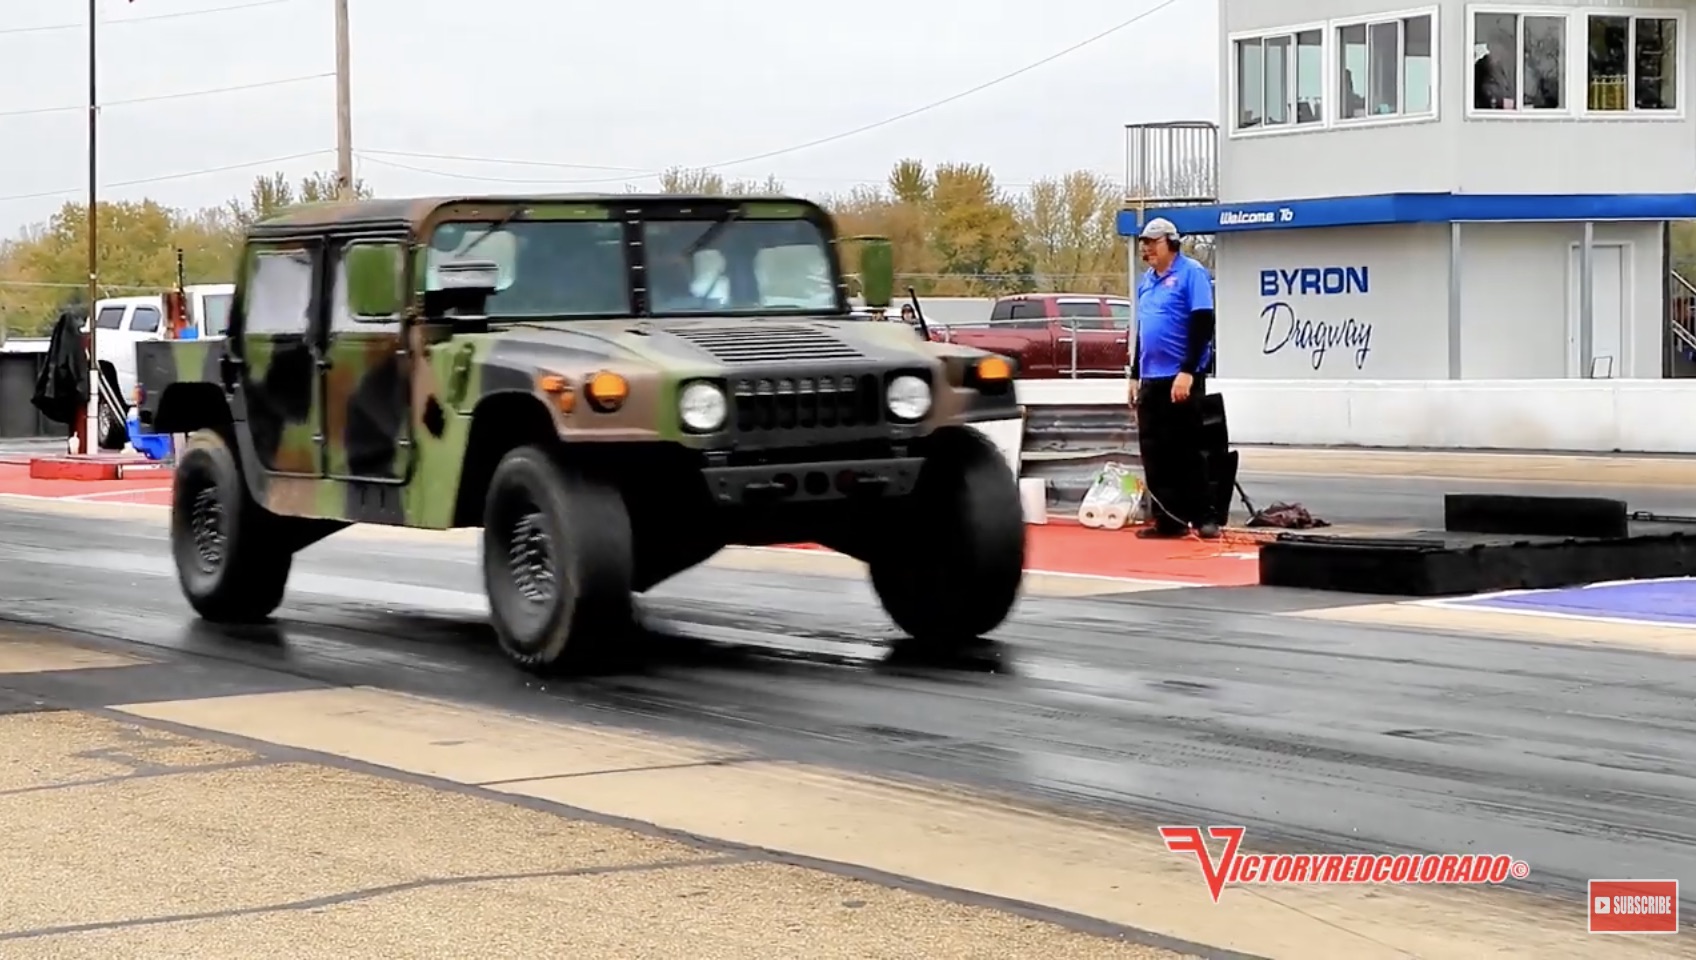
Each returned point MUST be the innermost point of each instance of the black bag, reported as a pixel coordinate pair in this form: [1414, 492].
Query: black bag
[1219, 461]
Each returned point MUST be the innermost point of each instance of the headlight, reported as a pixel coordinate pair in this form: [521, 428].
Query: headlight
[909, 397]
[702, 407]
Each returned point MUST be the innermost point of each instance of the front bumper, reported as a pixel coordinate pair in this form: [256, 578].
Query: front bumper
[811, 482]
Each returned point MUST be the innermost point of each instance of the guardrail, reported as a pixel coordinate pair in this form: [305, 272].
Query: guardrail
[1066, 446]
[1114, 339]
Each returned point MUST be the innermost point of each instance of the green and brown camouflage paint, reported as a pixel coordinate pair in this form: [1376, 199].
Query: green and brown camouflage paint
[382, 433]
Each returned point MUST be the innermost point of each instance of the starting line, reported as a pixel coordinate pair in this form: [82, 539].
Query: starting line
[1669, 602]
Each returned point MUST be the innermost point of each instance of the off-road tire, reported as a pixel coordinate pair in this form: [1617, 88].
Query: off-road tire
[558, 562]
[230, 554]
[112, 425]
[951, 559]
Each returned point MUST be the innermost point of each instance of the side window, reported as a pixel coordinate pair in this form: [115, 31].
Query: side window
[144, 320]
[1003, 310]
[1087, 314]
[342, 315]
[1027, 315]
[278, 294]
[1119, 314]
[109, 318]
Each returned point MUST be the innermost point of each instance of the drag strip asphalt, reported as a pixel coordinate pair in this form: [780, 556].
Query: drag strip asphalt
[1196, 705]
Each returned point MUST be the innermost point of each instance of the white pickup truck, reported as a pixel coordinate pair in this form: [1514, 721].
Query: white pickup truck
[125, 321]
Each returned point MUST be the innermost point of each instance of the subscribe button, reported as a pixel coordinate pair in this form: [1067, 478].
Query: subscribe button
[1634, 906]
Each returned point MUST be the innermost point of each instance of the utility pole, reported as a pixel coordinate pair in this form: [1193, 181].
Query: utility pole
[88, 430]
[344, 108]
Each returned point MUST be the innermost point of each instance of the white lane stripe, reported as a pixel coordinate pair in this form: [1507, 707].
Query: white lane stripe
[85, 497]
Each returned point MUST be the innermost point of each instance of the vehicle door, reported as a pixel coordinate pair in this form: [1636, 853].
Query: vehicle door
[1026, 330]
[367, 395]
[277, 355]
[142, 323]
[1100, 346]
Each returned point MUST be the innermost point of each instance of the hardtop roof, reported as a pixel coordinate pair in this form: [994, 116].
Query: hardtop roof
[413, 211]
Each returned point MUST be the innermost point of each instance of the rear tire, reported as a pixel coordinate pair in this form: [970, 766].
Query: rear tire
[228, 549]
[558, 562]
[952, 557]
[111, 424]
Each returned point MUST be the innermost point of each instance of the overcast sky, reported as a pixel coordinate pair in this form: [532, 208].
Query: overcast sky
[636, 86]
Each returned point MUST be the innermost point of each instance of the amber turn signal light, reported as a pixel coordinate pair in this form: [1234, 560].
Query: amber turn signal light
[559, 389]
[991, 369]
[607, 391]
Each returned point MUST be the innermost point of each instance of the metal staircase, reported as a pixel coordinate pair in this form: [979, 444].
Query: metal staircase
[1681, 317]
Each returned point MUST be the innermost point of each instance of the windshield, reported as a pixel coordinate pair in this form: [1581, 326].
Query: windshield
[215, 313]
[549, 268]
[763, 266]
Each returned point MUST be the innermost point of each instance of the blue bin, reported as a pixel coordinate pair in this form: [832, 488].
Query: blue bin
[153, 446]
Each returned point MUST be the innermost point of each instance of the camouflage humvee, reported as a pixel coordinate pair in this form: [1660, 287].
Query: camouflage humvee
[613, 387]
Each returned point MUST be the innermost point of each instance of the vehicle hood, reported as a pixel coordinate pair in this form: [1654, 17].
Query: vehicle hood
[707, 345]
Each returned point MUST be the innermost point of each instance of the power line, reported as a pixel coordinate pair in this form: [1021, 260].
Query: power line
[958, 96]
[186, 175]
[34, 111]
[156, 16]
[796, 148]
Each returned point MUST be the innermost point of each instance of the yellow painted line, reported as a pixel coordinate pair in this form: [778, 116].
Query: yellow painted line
[1105, 870]
[37, 656]
[1513, 626]
[306, 861]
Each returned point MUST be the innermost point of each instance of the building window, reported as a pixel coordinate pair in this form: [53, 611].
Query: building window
[1633, 63]
[1384, 69]
[1280, 81]
[1518, 62]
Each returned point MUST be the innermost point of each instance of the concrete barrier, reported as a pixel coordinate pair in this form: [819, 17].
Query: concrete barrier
[1564, 416]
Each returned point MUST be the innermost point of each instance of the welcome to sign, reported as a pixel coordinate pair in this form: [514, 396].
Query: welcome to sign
[1287, 329]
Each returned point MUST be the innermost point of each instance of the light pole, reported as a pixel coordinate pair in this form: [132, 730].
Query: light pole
[88, 431]
[344, 108]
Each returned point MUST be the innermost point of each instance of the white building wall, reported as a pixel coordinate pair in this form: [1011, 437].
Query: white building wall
[1518, 303]
[1396, 329]
[1454, 148]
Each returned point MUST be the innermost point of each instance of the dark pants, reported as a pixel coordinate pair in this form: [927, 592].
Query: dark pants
[1171, 439]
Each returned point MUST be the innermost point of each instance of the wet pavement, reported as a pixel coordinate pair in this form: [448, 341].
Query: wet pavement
[1194, 705]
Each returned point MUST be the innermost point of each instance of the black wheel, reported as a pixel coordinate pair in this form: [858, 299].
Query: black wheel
[558, 561]
[952, 557]
[232, 560]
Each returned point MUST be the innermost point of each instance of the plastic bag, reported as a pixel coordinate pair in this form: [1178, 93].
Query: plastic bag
[1115, 498]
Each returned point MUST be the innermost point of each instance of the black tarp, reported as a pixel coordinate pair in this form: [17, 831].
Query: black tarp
[61, 389]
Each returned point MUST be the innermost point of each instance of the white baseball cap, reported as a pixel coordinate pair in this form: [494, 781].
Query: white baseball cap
[1158, 228]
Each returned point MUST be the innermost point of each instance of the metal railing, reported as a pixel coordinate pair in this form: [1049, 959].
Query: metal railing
[1044, 326]
[1681, 313]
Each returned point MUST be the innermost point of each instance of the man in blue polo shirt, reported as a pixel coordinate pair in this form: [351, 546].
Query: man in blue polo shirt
[1175, 324]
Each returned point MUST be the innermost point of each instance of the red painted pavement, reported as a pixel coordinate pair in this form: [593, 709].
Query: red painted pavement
[153, 488]
[1076, 549]
[1051, 548]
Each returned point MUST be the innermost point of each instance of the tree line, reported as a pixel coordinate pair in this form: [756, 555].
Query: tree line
[955, 232]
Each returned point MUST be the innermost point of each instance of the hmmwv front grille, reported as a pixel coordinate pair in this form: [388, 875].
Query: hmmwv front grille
[786, 403]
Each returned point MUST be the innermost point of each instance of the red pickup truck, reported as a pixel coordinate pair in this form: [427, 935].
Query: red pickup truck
[1042, 330]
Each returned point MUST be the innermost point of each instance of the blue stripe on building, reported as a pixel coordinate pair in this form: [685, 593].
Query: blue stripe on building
[1390, 208]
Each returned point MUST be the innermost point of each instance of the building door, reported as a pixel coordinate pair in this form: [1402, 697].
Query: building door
[1610, 313]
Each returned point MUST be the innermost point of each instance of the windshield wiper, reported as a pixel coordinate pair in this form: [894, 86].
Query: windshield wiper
[711, 233]
[498, 224]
